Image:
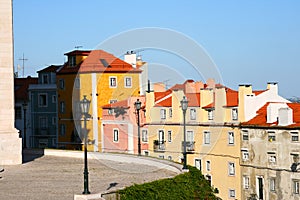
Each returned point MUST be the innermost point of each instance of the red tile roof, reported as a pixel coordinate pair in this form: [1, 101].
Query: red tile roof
[123, 104]
[194, 99]
[165, 103]
[21, 87]
[258, 92]
[101, 61]
[160, 95]
[261, 118]
[209, 106]
[232, 98]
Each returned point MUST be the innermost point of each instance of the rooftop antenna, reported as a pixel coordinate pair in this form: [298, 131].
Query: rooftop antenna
[78, 47]
[23, 60]
[166, 83]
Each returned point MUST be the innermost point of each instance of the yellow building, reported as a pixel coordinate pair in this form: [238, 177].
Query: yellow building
[211, 131]
[103, 79]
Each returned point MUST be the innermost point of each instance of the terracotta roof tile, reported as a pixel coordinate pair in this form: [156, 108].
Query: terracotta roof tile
[261, 118]
[232, 98]
[123, 103]
[165, 103]
[209, 106]
[194, 99]
[21, 87]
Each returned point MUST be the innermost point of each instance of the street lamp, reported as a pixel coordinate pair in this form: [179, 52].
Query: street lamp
[137, 106]
[25, 106]
[85, 106]
[184, 106]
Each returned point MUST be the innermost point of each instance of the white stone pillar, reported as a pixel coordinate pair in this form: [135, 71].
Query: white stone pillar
[10, 143]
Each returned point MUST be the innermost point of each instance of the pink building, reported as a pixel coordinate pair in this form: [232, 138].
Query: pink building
[119, 127]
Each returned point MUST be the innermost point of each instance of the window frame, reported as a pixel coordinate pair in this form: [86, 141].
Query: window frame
[169, 136]
[116, 135]
[293, 135]
[230, 138]
[245, 134]
[77, 83]
[62, 131]
[163, 113]
[296, 186]
[46, 100]
[61, 83]
[271, 136]
[210, 114]
[144, 135]
[62, 106]
[208, 165]
[272, 184]
[231, 193]
[45, 79]
[231, 169]
[110, 82]
[246, 182]
[193, 114]
[125, 82]
[245, 152]
[234, 114]
[206, 139]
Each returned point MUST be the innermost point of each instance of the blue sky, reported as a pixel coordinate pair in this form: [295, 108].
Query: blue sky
[249, 41]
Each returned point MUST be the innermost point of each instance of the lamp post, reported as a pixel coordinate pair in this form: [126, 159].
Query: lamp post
[85, 106]
[25, 106]
[137, 106]
[184, 106]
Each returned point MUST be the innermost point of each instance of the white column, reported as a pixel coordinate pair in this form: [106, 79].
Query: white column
[10, 143]
[95, 111]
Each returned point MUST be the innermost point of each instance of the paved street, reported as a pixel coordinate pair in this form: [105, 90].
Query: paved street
[52, 177]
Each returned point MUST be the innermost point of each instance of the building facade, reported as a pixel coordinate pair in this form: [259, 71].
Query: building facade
[43, 109]
[103, 79]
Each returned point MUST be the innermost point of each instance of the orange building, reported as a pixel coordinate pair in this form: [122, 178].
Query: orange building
[103, 79]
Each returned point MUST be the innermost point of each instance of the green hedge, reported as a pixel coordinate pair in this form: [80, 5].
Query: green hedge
[191, 185]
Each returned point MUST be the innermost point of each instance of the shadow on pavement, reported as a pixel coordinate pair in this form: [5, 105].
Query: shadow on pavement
[29, 155]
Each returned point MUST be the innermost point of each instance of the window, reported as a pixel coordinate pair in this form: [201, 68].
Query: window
[192, 113]
[190, 136]
[111, 110]
[246, 182]
[295, 136]
[146, 153]
[245, 135]
[169, 136]
[62, 84]
[77, 83]
[210, 115]
[43, 122]
[296, 186]
[208, 165]
[62, 130]
[116, 135]
[206, 137]
[271, 136]
[42, 100]
[72, 61]
[231, 169]
[113, 82]
[208, 178]
[162, 113]
[234, 114]
[272, 184]
[62, 106]
[161, 156]
[54, 120]
[54, 98]
[45, 79]
[230, 137]
[170, 112]
[144, 135]
[18, 112]
[245, 154]
[272, 157]
[198, 164]
[231, 193]
[169, 157]
[128, 81]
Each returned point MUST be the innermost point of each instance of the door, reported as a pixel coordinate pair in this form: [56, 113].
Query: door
[198, 164]
[161, 139]
[260, 187]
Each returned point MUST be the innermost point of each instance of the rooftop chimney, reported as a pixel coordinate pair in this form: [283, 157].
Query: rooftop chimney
[130, 58]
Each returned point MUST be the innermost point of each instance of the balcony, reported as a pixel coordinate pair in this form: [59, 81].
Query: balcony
[190, 146]
[159, 146]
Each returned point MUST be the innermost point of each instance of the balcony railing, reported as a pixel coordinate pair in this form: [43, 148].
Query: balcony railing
[159, 146]
[190, 146]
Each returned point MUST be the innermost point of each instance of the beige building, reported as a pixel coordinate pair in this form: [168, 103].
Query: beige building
[269, 147]
[211, 131]
[10, 143]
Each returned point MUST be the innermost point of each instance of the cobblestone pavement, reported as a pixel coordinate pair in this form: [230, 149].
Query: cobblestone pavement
[59, 178]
